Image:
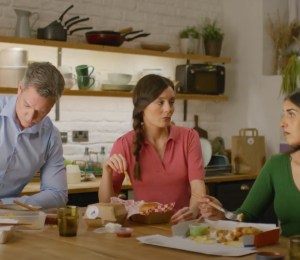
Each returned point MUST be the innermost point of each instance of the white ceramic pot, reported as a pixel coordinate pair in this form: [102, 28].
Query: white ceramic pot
[11, 76]
[14, 56]
[189, 45]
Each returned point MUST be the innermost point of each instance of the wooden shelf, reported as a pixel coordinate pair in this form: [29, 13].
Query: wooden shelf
[103, 48]
[120, 50]
[123, 94]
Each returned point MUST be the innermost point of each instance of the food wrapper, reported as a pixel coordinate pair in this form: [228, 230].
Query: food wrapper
[157, 213]
[248, 245]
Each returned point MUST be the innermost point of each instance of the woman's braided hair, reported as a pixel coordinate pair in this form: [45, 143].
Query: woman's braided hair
[146, 91]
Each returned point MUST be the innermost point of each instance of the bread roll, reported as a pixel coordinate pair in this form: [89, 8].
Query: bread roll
[148, 206]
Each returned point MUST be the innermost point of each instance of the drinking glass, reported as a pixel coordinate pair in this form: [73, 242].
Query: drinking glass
[68, 218]
[294, 247]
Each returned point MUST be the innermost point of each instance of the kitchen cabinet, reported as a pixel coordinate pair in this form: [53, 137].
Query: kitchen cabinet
[84, 199]
[60, 45]
[232, 194]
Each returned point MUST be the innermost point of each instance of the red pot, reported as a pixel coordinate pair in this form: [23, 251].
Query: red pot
[111, 38]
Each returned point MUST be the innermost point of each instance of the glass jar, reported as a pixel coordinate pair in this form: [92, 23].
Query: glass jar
[294, 247]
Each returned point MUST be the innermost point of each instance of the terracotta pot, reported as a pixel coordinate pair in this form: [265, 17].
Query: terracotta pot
[212, 47]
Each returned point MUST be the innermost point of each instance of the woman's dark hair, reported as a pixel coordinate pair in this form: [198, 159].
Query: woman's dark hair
[146, 91]
[294, 97]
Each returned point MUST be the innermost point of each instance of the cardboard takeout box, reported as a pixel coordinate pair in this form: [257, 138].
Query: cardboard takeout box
[179, 240]
[153, 217]
[269, 235]
[99, 214]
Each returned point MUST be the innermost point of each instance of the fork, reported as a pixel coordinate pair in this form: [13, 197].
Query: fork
[228, 214]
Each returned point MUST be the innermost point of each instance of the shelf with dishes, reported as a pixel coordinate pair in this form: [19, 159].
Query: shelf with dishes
[103, 48]
[123, 94]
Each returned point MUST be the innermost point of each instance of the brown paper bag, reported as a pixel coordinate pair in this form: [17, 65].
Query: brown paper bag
[248, 153]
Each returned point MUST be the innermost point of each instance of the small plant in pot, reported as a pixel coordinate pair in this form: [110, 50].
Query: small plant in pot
[291, 75]
[189, 40]
[213, 37]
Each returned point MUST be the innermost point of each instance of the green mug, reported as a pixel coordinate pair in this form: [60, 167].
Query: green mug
[84, 70]
[85, 82]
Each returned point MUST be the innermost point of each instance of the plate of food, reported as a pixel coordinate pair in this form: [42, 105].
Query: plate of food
[155, 46]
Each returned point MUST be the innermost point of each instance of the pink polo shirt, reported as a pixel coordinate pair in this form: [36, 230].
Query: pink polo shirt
[166, 180]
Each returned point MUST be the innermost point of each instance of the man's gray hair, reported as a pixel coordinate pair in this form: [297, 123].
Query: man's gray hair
[45, 78]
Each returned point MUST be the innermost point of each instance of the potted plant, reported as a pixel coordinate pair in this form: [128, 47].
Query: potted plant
[212, 36]
[291, 75]
[189, 40]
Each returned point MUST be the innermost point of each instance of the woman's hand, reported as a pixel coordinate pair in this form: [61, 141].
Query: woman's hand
[116, 163]
[208, 211]
[183, 214]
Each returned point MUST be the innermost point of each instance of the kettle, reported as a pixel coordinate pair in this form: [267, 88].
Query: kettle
[23, 26]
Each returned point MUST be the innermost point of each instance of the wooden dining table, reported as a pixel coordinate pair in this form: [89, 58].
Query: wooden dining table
[46, 244]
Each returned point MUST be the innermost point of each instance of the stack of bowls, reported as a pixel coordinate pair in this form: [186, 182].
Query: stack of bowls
[118, 81]
[119, 78]
[13, 64]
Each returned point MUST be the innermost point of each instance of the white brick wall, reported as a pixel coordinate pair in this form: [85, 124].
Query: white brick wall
[108, 118]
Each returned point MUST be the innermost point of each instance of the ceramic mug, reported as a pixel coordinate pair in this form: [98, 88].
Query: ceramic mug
[70, 80]
[84, 70]
[64, 69]
[85, 82]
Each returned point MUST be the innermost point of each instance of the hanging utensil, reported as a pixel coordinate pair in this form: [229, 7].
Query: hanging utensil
[70, 20]
[75, 22]
[80, 29]
[202, 133]
[59, 20]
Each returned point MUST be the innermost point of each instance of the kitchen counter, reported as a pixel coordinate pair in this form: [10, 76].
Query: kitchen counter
[93, 185]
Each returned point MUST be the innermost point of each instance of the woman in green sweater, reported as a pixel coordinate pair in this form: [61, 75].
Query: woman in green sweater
[278, 181]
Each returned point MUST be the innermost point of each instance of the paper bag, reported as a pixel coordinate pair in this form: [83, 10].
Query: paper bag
[248, 153]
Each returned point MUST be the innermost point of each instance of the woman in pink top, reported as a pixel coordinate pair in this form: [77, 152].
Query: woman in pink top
[163, 161]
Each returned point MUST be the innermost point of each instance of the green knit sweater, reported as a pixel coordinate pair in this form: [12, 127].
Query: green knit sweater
[275, 183]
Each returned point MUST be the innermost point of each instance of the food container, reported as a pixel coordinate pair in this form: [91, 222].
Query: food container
[146, 212]
[73, 174]
[99, 214]
[5, 233]
[32, 219]
[11, 76]
[14, 57]
[124, 232]
[182, 241]
[153, 218]
[269, 232]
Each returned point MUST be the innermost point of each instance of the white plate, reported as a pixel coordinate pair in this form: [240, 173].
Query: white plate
[206, 150]
[117, 87]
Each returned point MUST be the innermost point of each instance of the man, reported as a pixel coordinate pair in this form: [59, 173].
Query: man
[29, 142]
